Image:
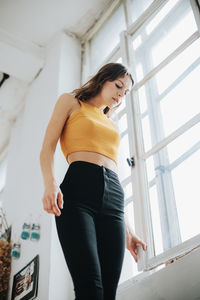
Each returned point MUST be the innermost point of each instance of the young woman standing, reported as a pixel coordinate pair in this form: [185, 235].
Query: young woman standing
[92, 228]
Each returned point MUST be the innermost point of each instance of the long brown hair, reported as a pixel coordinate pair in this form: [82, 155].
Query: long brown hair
[92, 87]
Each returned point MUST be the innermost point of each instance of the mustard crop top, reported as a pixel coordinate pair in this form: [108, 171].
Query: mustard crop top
[89, 129]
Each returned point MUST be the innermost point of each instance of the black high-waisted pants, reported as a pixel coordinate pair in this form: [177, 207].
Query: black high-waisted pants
[91, 229]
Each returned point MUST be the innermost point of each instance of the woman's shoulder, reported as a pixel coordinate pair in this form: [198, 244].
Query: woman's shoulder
[66, 103]
[73, 103]
[69, 98]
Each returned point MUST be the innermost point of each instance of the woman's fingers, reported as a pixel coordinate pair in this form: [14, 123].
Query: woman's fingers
[56, 209]
[134, 255]
[143, 244]
[60, 199]
[58, 203]
[50, 204]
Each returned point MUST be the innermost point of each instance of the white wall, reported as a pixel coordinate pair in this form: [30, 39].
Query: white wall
[61, 286]
[24, 187]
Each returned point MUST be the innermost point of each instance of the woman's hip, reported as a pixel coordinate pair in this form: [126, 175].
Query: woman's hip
[89, 184]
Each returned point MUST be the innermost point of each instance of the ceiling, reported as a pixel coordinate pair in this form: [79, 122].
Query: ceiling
[37, 21]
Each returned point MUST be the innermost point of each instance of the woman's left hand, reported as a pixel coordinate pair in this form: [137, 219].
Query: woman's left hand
[132, 241]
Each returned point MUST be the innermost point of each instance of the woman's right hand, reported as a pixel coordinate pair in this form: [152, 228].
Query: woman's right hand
[52, 193]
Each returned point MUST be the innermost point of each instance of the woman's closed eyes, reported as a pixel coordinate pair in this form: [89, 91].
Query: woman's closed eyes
[119, 87]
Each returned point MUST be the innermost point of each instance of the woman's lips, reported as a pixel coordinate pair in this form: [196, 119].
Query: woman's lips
[115, 100]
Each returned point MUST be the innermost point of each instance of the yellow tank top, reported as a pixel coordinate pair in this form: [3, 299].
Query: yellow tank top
[89, 129]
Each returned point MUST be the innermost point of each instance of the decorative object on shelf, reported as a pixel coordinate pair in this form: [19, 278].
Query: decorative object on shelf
[16, 250]
[5, 255]
[5, 230]
[35, 229]
[25, 282]
[26, 228]
[25, 231]
[35, 232]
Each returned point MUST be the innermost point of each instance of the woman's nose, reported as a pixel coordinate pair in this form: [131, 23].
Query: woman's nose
[121, 95]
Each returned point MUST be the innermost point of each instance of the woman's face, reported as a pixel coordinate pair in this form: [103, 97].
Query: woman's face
[114, 91]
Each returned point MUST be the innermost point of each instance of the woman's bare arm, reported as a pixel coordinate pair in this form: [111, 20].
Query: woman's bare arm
[59, 116]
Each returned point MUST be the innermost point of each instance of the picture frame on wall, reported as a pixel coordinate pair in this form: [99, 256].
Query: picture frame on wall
[25, 282]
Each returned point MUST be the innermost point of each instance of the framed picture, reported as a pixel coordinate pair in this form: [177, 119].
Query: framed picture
[25, 282]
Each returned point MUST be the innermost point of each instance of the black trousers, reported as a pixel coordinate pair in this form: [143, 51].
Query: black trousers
[91, 229]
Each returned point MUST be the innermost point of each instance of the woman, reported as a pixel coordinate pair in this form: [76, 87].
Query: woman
[91, 227]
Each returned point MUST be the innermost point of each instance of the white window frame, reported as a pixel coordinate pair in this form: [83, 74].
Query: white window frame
[143, 227]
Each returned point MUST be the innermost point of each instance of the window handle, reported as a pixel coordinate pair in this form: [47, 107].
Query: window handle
[131, 161]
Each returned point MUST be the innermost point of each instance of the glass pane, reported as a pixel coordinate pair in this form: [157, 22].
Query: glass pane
[129, 210]
[174, 190]
[146, 133]
[150, 168]
[167, 95]
[128, 190]
[138, 7]
[183, 143]
[106, 38]
[129, 268]
[119, 60]
[123, 123]
[155, 215]
[165, 77]
[187, 190]
[123, 153]
[169, 42]
[164, 11]
[152, 44]
[176, 102]
[143, 99]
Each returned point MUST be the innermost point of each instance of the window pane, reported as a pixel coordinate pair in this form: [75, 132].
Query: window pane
[161, 15]
[170, 41]
[155, 215]
[172, 96]
[129, 209]
[128, 190]
[186, 188]
[123, 153]
[182, 100]
[123, 123]
[138, 7]
[150, 168]
[184, 143]
[143, 99]
[129, 268]
[106, 38]
[146, 132]
[150, 47]
[173, 178]
[165, 77]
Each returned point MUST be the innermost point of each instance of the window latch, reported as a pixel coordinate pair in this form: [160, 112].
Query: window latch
[131, 161]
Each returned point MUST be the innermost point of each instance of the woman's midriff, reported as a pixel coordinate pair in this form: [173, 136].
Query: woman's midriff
[93, 157]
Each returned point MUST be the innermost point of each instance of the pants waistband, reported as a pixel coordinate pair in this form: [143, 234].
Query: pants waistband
[86, 163]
